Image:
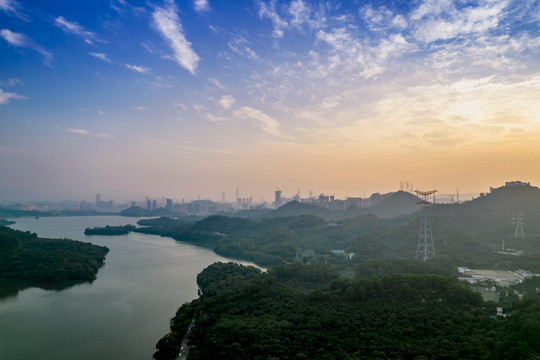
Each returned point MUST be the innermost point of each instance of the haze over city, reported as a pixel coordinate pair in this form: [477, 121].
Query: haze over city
[184, 98]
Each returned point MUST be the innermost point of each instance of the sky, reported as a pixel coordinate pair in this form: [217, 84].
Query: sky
[192, 98]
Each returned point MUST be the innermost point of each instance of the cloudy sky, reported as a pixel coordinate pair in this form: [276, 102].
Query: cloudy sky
[198, 97]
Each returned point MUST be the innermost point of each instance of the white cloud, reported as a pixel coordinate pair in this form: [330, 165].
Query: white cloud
[5, 97]
[486, 53]
[11, 82]
[198, 107]
[74, 28]
[21, 40]
[76, 131]
[139, 69]
[100, 56]
[399, 21]
[216, 118]
[100, 112]
[267, 123]
[299, 12]
[12, 8]
[227, 101]
[168, 24]
[15, 39]
[141, 108]
[443, 21]
[431, 8]
[338, 38]
[123, 8]
[352, 55]
[269, 11]
[240, 46]
[382, 18]
[216, 82]
[201, 5]
[148, 46]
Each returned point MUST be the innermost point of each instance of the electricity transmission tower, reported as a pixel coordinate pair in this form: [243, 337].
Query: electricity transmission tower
[519, 221]
[425, 248]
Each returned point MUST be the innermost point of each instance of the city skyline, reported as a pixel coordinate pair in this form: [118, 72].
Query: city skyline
[179, 98]
[253, 200]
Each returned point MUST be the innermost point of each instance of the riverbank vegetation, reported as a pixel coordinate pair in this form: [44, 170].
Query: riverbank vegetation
[110, 230]
[36, 261]
[6, 222]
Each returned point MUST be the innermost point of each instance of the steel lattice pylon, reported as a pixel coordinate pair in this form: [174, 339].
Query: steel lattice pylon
[518, 232]
[425, 248]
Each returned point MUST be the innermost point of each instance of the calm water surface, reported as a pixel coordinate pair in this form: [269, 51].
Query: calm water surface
[121, 315]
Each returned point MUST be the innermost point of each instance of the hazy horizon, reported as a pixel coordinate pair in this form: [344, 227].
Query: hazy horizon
[184, 98]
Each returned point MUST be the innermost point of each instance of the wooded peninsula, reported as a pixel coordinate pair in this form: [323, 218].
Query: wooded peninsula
[31, 261]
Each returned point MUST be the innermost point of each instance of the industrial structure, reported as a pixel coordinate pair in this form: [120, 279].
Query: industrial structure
[519, 221]
[425, 248]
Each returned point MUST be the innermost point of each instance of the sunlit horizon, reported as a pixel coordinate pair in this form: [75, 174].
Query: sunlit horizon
[198, 98]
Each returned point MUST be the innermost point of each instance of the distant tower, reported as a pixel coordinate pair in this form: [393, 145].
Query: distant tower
[148, 204]
[154, 204]
[223, 199]
[169, 204]
[237, 194]
[425, 248]
[519, 221]
[277, 200]
[98, 201]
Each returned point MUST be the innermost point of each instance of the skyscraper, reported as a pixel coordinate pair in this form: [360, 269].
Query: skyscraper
[277, 200]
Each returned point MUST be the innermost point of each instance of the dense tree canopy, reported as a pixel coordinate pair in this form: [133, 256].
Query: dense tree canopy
[27, 258]
[243, 313]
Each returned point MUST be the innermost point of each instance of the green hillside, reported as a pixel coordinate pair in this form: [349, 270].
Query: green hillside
[27, 260]
[286, 314]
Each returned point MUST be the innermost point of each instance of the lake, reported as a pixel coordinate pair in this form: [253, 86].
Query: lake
[121, 315]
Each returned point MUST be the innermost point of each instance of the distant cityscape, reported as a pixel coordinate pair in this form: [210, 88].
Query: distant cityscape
[203, 207]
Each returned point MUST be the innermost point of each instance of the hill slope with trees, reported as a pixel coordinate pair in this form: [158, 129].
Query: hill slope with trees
[243, 313]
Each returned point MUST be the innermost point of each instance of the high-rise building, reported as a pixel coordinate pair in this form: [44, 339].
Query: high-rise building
[154, 204]
[98, 201]
[148, 205]
[169, 204]
[277, 200]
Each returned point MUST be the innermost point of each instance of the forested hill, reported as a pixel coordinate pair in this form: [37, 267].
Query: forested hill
[294, 208]
[468, 234]
[245, 314]
[474, 230]
[33, 261]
